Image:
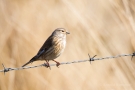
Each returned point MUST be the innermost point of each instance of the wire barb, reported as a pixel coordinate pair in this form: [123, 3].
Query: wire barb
[91, 59]
[133, 55]
[5, 69]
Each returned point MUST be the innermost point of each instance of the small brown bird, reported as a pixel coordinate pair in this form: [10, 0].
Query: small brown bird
[52, 48]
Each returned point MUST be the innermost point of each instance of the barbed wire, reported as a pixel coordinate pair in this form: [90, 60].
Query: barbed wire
[62, 63]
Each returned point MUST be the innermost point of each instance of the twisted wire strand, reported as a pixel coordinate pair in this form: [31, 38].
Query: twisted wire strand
[62, 63]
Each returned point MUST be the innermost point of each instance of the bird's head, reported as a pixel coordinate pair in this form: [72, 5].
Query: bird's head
[60, 32]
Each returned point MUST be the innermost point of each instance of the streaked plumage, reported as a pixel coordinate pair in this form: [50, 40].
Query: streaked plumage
[52, 48]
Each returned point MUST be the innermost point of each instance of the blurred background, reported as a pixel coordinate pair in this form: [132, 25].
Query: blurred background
[98, 27]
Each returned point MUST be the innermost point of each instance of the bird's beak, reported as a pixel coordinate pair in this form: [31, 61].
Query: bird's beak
[67, 33]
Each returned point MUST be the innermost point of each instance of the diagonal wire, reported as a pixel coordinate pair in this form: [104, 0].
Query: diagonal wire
[63, 63]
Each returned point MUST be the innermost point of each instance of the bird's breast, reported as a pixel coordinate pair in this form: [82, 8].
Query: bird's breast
[56, 49]
[60, 46]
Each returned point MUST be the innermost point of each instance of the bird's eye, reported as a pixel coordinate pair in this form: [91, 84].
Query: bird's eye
[62, 31]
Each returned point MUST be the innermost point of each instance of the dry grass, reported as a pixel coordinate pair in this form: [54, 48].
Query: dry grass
[102, 27]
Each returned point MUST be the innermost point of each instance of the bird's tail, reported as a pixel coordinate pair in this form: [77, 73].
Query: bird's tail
[27, 63]
[32, 60]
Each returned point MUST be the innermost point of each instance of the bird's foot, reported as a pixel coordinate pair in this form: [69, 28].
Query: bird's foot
[47, 65]
[57, 63]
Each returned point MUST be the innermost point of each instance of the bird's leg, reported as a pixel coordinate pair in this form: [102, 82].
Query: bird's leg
[47, 61]
[57, 63]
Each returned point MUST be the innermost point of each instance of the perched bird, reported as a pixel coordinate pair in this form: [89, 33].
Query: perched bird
[52, 48]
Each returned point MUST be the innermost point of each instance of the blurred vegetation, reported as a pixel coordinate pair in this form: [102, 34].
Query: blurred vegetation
[101, 27]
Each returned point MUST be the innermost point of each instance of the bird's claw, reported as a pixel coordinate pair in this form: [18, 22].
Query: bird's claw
[58, 64]
[47, 65]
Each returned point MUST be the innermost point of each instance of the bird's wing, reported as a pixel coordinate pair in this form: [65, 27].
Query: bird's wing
[47, 44]
[40, 52]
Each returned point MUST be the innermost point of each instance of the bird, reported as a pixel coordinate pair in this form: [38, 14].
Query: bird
[52, 48]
